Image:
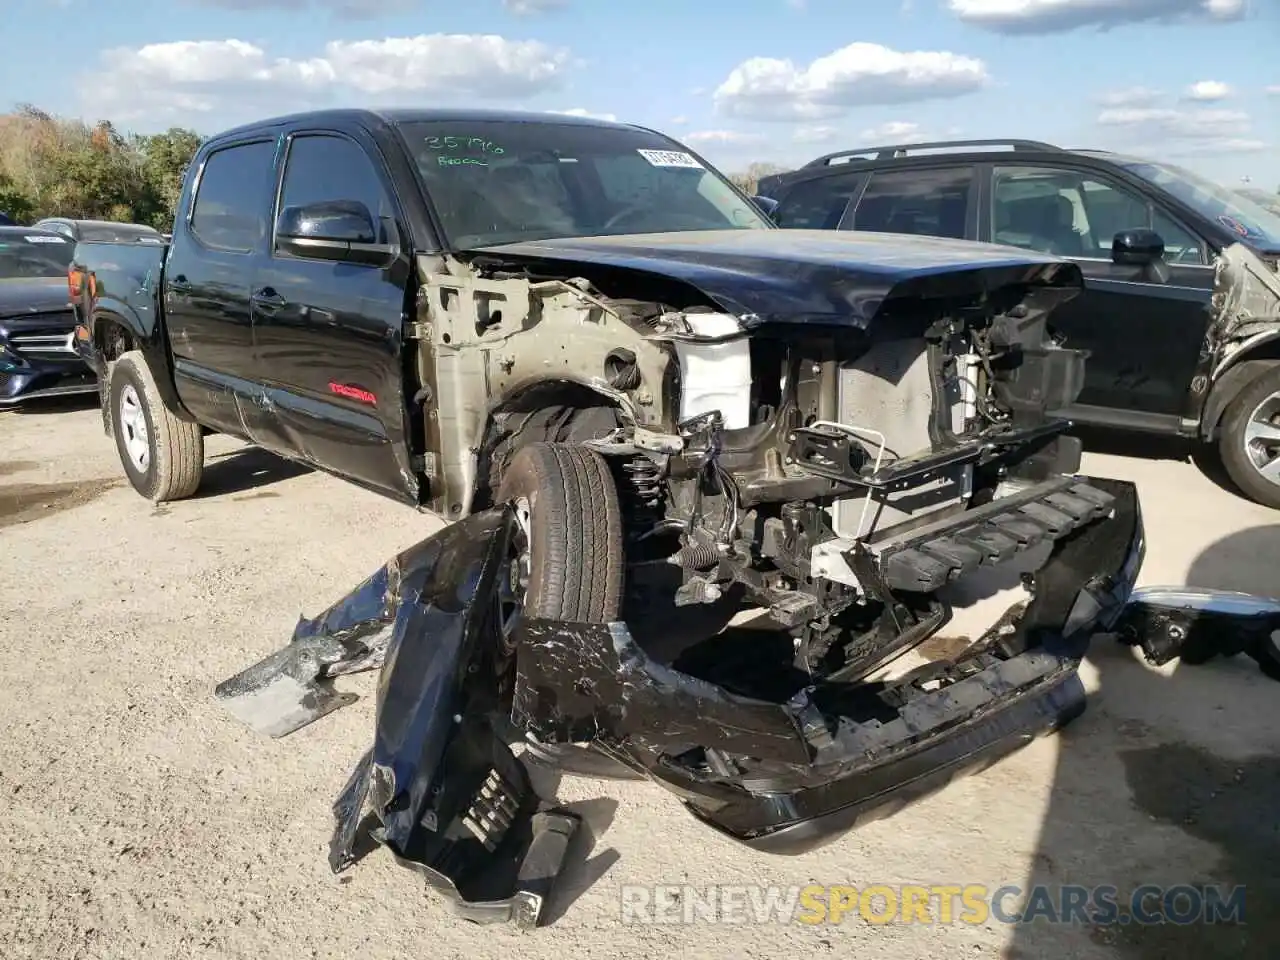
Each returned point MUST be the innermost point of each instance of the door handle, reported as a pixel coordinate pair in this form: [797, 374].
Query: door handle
[267, 300]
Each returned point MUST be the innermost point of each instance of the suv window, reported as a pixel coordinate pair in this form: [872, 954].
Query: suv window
[818, 204]
[932, 202]
[1073, 214]
[230, 211]
[324, 167]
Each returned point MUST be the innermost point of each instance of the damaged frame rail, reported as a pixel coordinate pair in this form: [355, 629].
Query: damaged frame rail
[462, 682]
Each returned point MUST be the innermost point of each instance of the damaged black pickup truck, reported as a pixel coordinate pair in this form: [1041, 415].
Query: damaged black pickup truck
[625, 389]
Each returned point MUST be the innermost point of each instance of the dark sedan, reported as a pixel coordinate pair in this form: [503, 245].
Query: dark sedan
[37, 353]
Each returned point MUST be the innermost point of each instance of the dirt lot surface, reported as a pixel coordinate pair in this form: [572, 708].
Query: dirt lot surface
[138, 820]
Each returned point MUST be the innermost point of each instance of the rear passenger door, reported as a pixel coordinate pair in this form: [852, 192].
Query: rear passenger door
[1144, 334]
[206, 285]
[328, 333]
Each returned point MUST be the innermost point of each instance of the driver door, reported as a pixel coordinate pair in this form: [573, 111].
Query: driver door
[1144, 334]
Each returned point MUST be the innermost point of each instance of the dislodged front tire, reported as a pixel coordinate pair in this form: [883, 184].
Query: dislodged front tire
[162, 454]
[1250, 440]
[568, 510]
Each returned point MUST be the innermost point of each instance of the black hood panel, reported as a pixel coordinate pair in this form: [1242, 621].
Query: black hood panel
[33, 295]
[815, 276]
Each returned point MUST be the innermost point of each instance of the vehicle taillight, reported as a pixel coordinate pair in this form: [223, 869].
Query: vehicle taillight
[74, 286]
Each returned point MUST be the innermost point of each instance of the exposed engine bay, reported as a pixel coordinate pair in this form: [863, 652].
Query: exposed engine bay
[837, 475]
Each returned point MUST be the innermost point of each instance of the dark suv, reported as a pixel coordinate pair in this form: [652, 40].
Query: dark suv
[1181, 313]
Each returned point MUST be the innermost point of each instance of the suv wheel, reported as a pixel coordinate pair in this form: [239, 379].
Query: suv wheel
[1250, 440]
[162, 454]
[571, 555]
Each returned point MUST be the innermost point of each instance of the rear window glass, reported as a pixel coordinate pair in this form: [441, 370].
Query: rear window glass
[931, 203]
[230, 211]
[817, 204]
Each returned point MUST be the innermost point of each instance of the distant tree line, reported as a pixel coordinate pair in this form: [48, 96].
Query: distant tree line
[56, 167]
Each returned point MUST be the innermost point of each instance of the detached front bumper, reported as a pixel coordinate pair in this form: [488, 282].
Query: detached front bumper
[788, 777]
[443, 790]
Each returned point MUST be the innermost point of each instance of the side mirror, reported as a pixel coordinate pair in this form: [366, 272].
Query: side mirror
[1137, 248]
[341, 230]
[767, 205]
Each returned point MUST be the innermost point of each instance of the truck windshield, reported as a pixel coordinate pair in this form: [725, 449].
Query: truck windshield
[495, 182]
[31, 255]
[1251, 221]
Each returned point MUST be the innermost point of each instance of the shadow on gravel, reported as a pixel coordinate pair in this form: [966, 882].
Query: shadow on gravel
[241, 471]
[1156, 785]
[1153, 447]
[55, 406]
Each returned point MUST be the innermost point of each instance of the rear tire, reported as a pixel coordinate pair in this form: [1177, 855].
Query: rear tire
[1250, 440]
[162, 453]
[571, 517]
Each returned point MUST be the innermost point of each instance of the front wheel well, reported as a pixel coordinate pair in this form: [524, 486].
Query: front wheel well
[112, 339]
[1232, 382]
[559, 412]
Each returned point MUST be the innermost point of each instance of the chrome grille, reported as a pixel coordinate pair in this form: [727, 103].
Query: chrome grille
[52, 341]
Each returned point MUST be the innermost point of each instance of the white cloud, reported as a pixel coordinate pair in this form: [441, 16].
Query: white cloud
[1130, 97]
[1218, 147]
[765, 88]
[580, 112]
[1274, 90]
[798, 4]
[1208, 90]
[524, 8]
[818, 133]
[895, 131]
[1164, 124]
[723, 137]
[351, 9]
[1052, 16]
[680, 120]
[164, 81]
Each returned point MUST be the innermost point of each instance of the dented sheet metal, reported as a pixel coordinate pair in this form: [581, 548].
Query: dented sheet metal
[1245, 306]
[1199, 625]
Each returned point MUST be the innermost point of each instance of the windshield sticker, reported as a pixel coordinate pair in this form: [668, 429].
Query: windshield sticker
[31, 239]
[463, 151]
[670, 158]
[1231, 223]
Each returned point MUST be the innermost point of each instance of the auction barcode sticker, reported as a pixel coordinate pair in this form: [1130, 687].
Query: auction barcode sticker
[670, 158]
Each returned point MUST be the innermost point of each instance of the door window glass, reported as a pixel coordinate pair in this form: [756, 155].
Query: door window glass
[1071, 214]
[230, 211]
[323, 168]
[817, 204]
[932, 203]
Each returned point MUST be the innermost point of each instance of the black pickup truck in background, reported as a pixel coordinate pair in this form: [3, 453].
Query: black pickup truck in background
[584, 328]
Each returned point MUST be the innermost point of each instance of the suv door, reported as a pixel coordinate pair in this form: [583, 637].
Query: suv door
[206, 285]
[934, 201]
[328, 333]
[1144, 334]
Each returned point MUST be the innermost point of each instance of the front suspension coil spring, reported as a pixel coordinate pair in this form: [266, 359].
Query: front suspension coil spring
[646, 479]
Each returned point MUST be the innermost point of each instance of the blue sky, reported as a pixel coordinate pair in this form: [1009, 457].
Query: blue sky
[1196, 81]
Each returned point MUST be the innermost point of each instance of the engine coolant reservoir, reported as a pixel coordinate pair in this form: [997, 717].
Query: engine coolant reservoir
[716, 376]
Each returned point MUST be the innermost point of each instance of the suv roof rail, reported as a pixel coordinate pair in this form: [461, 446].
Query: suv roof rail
[901, 149]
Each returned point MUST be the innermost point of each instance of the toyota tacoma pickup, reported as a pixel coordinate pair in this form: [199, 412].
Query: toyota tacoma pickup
[601, 363]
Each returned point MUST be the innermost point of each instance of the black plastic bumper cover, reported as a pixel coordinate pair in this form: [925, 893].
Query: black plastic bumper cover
[442, 789]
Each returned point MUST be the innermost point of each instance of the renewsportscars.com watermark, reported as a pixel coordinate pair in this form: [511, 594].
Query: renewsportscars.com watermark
[974, 904]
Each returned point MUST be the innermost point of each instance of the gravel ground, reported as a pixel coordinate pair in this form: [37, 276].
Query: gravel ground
[139, 820]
